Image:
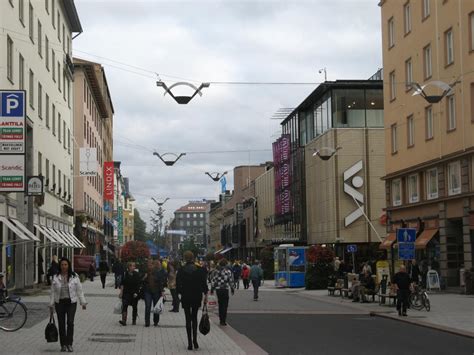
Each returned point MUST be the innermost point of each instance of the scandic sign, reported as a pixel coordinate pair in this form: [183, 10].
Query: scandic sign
[109, 180]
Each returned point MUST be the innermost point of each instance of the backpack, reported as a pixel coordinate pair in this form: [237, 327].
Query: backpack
[51, 332]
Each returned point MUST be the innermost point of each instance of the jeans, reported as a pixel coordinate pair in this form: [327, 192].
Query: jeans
[191, 322]
[129, 300]
[102, 279]
[237, 282]
[174, 294]
[402, 300]
[255, 285]
[223, 300]
[66, 309]
[149, 297]
[118, 281]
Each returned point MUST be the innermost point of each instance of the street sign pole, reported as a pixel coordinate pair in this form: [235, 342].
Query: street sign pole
[353, 263]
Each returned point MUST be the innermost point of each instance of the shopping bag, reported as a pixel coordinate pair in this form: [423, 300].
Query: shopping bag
[51, 332]
[211, 301]
[204, 324]
[118, 307]
[159, 307]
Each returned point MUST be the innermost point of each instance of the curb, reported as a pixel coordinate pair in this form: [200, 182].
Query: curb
[424, 324]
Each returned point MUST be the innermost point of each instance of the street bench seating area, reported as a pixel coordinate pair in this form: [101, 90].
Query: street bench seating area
[381, 291]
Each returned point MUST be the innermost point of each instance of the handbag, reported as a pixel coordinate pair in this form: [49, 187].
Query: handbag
[159, 307]
[204, 323]
[118, 307]
[51, 332]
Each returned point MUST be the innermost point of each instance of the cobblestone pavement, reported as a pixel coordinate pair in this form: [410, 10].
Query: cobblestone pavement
[97, 330]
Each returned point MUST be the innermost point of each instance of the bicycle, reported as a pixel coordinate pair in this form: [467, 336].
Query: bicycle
[13, 314]
[419, 299]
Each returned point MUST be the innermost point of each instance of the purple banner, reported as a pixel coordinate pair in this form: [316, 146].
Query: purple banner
[282, 174]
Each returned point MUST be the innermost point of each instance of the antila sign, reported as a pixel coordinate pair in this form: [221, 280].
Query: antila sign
[351, 183]
[109, 180]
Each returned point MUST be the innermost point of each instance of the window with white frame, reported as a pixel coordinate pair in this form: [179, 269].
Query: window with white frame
[46, 52]
[21, 72]
[427, 61]
[454, 178]
[429, 122]
[413, 193]
[449, 46]
[31, 24]
[40, 39]
[410, 131]
[408, 73]
[426, 8]
[393, 88]
[471, 29]
[394, 138]
[391, 32]
[431, 184]
[21, 11]
[40, 100]
[53, 65]
[32, 89]
[407, 17]
[47, 110]
[9, 58]
[396, 192]
[451, 110]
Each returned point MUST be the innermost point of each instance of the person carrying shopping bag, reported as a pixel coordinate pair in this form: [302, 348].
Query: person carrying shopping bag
[222, 281]
[154, 288]
[129, 293]
[66, 290]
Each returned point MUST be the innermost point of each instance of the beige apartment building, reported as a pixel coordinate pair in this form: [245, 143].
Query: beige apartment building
[429, 147]
[93, 110]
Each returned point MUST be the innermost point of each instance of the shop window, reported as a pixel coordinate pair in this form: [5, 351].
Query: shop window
[374, 108]
[349, 110]
[413, 193]
[454, 178]
[396, 192]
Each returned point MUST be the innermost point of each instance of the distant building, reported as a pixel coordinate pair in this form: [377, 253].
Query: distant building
[194, 219]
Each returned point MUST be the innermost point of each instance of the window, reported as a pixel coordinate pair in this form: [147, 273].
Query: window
[426, 8]
[392, 83]
[54, 176]
[428, 71]
[410, 131]
[68, 141]
[413, 195]
[59, 76]
[432, 184]
[31, 19]
[40, 163]
[396, 192]
[40, 39]
[194, 215]
[46, 5]
[64, 41]
[53, 120]
[451, 110]
[449, 46]
[394, 138]
[53, 5]
[47, 110]
[429, 122]
[47, 173]
[10, 59]
[408, 74]
[53, 63]
[471, 30]
[64, 135]
[59, 127]
[391, 32]
[59, 25]
[31, 94]
[21, 71]
[407, 18]
[40, 100]
[454, 178]
[188, 215]
[64, 86]
[11, 2]
[46, 52]
[21, 11]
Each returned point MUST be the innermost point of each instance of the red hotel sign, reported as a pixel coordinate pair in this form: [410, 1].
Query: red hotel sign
[109, 180]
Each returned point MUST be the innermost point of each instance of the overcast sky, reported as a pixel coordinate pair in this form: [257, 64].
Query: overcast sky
[202, 41]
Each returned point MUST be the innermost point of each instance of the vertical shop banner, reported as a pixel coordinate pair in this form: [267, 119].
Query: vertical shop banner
[282, 174]
[88, 161]
[120, 224]
[109, 180]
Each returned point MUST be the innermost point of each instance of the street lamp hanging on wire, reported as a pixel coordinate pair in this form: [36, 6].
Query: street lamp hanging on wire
[168, 162]
[325, 153]
[182, 100]
[434, 99]
[215, 176]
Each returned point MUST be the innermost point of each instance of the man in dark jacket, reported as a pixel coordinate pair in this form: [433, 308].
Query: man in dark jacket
[118, 271]
[103, 270]
[402, 281]
[129, 293]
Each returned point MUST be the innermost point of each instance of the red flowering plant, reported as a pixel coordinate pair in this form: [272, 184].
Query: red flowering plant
[135, 251]
[319, 267]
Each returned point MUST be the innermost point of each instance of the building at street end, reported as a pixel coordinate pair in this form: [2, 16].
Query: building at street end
[193, 218]
[428, 60]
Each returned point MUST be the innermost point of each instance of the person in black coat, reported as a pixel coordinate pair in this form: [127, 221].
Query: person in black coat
[53, 268]
[129, 291]
[402, 280]
[118, 270]
[103, 270]
[192, 286]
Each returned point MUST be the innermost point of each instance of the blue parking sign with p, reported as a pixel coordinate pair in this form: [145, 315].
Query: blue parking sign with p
[12, 104]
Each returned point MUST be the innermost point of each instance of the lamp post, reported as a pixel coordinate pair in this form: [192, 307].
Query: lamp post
[159, 214]
[215, 176]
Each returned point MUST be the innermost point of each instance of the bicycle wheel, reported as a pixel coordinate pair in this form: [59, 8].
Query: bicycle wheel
[12, 315]
[415, 301]
[426, 302]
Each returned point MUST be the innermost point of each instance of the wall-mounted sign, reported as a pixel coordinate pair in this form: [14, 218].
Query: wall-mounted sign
[352, 182]
[109, 180]
[88, 161]
[35, 186]
[12, 121]
[120, 224]
[12, 173]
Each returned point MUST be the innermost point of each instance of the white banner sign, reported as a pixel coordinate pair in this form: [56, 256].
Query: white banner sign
[88, 161]
[12, 173]
[177, 232]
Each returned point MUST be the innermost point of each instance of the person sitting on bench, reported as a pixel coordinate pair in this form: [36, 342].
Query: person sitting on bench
[365, 284]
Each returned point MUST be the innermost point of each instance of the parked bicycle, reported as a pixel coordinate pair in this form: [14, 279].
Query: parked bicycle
[419, 299]
[13, 314]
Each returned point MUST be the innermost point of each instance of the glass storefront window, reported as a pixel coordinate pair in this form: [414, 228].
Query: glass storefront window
[349, 108]
[374, 107]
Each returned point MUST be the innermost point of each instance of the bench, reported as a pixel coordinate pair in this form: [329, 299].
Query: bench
[346, 292]
[333, 289]
[389, 296]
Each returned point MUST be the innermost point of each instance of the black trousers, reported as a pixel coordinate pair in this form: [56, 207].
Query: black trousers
[246, 283]
[66, 311]
[255, 285]
[102, 279]
[129, 300]
[174, 294]
[402, 300]
[191, 313]
[223, 300]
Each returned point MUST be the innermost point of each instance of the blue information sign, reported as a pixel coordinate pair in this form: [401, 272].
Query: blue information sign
[406, 243]
[351, 248]
[406, 235]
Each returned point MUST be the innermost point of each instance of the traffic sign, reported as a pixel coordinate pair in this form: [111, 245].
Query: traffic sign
[406, 251]
[351, 248]
[12, 122]
[406, 235]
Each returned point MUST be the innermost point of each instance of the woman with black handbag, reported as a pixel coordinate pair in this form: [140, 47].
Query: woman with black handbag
[129, 293]
[66, 290]
[191, 285]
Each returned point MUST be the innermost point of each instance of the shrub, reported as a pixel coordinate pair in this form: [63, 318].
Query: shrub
[135, 251]
[319, 268]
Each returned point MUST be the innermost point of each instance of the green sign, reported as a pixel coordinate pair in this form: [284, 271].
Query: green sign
[120, 224]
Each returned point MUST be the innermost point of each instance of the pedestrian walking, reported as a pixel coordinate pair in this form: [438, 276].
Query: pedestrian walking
[92, 271]
[246, 276]
[118, 270]
[129, 293]
[40, 267]
[154, 288]
[103, 270]
[192, 286]
[172, 269]
[256, 276]
[221, 282]
[414, 272]
[236, 270]
[66, 290]
[53, 268]
[402, 282]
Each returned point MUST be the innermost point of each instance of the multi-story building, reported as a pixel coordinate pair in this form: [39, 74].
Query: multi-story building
[194, 219]
[92, 110]
[128, 213]
[430, 141]
[36, 47]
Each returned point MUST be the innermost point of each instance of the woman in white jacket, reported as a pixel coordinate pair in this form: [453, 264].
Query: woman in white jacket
[66, 290]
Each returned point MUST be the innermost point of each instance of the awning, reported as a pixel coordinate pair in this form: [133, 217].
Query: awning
[68, 238]
[217, 252]
[424, 238]
[225, 251]
[75, 239]
[59, 237]
[47, 234]
[14, 228]
[389, 240]
[25, 230]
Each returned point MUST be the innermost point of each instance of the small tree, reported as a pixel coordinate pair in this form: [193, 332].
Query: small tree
[320, 267]
[136, 251]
